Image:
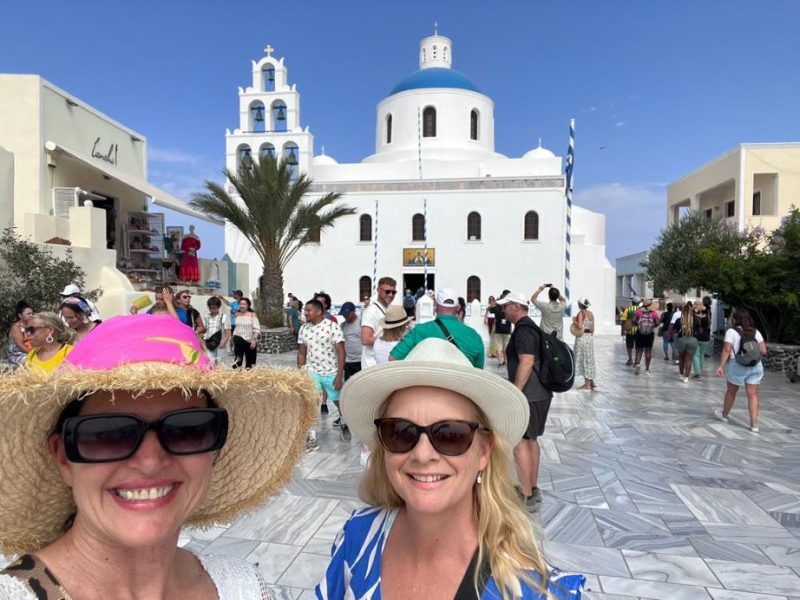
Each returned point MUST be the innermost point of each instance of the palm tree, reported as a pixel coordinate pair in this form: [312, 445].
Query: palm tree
[273, 213]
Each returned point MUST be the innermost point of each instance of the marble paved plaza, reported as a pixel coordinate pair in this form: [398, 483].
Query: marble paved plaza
[644, 492]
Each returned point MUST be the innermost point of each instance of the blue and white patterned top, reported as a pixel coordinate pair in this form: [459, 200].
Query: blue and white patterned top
[354, 572]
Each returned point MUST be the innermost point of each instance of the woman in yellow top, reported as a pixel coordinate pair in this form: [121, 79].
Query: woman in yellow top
[51, 342]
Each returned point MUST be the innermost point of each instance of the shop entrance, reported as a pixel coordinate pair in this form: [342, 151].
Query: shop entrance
[414, 281]
[109, 205]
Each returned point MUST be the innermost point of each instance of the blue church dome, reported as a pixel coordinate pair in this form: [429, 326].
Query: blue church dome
[435, 77]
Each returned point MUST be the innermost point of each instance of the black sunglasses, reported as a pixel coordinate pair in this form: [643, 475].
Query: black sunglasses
[32, 330]
[390, 292]
[450, 438]
[112, 437]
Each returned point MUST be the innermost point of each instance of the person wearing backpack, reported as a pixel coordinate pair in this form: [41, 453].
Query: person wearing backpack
[523, 353]
[702, 331]
[629, 328]
[584, 345]
[646, 320]
[742, 351]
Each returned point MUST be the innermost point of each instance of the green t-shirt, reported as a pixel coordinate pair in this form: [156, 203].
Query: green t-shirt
[466, 338]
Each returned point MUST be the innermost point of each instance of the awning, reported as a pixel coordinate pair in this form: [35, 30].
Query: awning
[159, 196]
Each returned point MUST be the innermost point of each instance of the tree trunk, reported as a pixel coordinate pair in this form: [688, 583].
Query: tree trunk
[271, 294]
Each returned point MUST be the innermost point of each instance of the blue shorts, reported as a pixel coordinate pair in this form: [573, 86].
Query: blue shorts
[325, 382]
[739, 374]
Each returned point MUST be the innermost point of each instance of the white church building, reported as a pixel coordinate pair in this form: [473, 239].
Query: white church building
[435, 190]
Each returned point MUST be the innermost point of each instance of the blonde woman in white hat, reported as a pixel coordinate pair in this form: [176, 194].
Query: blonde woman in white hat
[136, 435]
[583, 328]
[394, 325]
[445, 520]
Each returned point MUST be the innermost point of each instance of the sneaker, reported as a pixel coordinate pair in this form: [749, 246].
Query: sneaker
[647, 372]
[718, 414]
[666, 358]
[695, 376]
[629, 363]
[323, 410]
[754, 428]
[338, 422]
[685, 379]
[636, 369]
[536, 494]
[531, 505]
[312, 445]
[346, 435]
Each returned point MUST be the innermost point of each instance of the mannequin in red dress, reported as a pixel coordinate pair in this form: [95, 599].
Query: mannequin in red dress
[190, 270]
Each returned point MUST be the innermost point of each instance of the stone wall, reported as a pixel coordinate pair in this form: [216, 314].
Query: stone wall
[780, 358]
[276, 341]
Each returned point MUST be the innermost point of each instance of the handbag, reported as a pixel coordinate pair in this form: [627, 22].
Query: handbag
[213, 341]
[576, 329]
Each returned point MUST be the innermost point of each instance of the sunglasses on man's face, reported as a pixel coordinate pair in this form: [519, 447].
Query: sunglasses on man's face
[112, 437]
[389, 292]
[450, 438]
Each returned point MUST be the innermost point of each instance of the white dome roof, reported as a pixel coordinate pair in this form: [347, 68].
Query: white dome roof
[323, 160]
[539, 152]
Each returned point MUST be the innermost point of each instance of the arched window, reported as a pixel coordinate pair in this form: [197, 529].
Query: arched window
[364, 287]
[429, 122]
[473, 288]
[244, 157]
[473, 226]
[290, 157]
[265, 151]
[268, 74]
[279, 115]
[365, 228]
[418, 228]
[257, 118]
[474, 120]
[388, 129]
[531, 225]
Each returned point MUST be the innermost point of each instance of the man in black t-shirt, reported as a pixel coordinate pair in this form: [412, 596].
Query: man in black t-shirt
[501, 333]
[522, 353]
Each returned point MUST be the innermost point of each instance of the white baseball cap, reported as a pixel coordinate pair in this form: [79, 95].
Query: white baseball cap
[516, 297]
[447, 297]
[70, 289]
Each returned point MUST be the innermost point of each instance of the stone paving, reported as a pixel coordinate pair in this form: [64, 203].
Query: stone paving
[644, 492]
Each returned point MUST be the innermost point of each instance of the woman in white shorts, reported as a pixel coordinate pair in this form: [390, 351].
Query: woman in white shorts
[744, 368]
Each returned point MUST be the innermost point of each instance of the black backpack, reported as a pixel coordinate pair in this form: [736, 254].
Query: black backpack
[749, 354]
[555, 364]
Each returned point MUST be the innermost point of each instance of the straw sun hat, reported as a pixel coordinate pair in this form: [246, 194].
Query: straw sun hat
[437, 363]
[395, 316]
[270, 411]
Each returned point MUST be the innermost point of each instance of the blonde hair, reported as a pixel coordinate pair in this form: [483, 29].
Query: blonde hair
[687, 321]
[505, 535]
[394, 334]
[62, 333]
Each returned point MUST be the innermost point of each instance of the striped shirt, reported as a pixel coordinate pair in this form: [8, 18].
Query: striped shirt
[247, 326]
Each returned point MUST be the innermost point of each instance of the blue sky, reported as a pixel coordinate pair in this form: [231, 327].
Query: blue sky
[657, 87]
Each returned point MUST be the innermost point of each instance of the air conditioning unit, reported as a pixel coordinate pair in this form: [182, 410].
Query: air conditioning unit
[63, 199]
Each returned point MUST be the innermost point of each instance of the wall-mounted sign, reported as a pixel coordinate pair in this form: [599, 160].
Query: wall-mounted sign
[110, 156]
[417, 257]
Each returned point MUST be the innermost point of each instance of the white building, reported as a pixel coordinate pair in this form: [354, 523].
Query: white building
[69, 173]
[492, 222]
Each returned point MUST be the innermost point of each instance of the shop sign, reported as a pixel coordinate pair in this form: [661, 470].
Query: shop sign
[110, 156]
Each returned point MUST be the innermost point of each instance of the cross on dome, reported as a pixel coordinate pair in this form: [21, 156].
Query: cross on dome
[269, 50]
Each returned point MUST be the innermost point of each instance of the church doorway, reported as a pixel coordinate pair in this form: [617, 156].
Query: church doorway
[414, 281]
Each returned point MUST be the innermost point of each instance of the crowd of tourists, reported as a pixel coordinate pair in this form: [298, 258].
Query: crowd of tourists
[685, 331]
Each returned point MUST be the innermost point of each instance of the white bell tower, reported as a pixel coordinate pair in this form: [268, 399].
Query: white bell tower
[436, 51]
[269, 120]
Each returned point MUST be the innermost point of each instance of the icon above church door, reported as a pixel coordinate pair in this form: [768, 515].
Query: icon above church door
[417, 257]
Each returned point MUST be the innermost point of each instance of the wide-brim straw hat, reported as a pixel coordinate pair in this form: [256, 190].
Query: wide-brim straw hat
[270, 412]
[437, 363]
[395, 316]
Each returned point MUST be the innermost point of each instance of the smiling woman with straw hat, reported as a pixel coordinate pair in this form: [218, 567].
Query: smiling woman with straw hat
[105, 460]
[445, 519]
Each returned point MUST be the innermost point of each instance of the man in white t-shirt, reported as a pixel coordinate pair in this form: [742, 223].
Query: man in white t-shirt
[370, 319]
